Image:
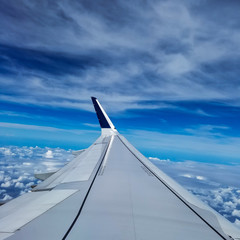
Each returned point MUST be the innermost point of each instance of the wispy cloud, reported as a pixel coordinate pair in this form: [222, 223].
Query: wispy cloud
[207, 143]
[62, 52]
[44, 128]
[207, 130]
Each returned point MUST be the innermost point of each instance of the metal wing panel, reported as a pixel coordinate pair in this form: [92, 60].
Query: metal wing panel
[17, 213]
[128, 202]
[212, 217]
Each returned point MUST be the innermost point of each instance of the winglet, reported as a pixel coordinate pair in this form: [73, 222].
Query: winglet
[103, 118]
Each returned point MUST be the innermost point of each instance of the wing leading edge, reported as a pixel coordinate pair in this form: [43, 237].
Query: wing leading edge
[111, 191]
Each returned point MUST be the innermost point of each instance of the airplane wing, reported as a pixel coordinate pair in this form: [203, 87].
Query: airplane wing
[111, 191]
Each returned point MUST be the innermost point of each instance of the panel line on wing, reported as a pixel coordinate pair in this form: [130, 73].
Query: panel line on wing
[80, 210]
[103, 165]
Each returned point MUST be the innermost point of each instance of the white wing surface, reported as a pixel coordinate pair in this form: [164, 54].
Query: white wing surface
[111, 191]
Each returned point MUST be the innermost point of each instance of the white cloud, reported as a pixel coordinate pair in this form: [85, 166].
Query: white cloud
[237, 222]
[49, 154]
[21, 178]
[218, 199]
[19, 185]
[2, 191]
[157, 159]
[174, 49]
[6, 151]
[27, 163]
[236, 213]
[6, 184]
[187, 175]
[23, 191]
[51, 165]
[178, 65]
[17, 173]
[42, 128]
[24, 126]
[92, 125]
[29, 184]
[6, 197]
[201, 178]
[7, 178]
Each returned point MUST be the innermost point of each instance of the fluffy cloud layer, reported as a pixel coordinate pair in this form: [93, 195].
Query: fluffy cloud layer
[18, 165]
[206, 181]
[62, 52]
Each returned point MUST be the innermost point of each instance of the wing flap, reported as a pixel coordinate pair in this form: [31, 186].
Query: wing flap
[79, 169]
[43, 176]
[24, 209]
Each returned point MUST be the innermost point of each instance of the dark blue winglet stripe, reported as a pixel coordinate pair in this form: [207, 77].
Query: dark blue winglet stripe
[101, 118]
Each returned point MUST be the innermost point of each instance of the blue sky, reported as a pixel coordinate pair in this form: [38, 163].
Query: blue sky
[167, 73]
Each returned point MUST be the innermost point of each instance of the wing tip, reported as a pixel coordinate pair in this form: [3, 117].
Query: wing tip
[103, 118]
